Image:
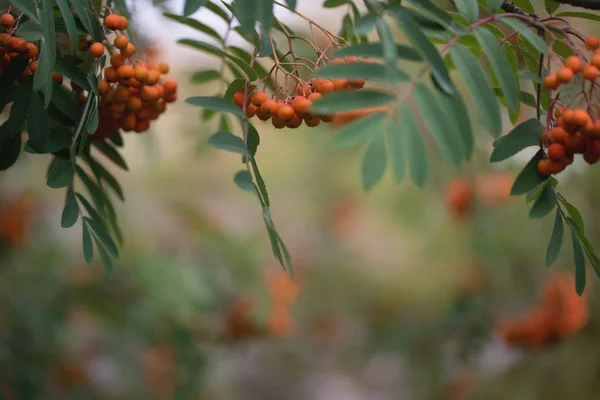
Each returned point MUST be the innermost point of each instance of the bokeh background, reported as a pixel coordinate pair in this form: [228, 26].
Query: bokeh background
[402, 293]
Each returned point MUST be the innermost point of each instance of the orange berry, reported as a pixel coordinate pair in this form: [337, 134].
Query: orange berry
[556, 151]
[575, 143]
[117, 60]
[544, 167]
[128, 122]
[148, 93]
[128, 51]
[352, 59]
[97, 50]
[315, 96]
[125, 72]
[33, 66]
[551, 81]
[591, 157]
[32, 50]
[573, 63]
[258, 98]
[141, 126]
[123, 23]
[110, 74]
[121, 42]
[7, 20]
[278, 123]
[122, 95]
[118, 108]
[134, 104]
[112, 22]
[558, 135]
[153, 77]
[57, 78]
[590, 73]
[103, 87]
[251, 110]
[581, 117]
[295, 121]
[301, 105]
[262, 115]
[269, 108]
[163, 68]
[564, 75]
[592, 42]
[286, 113]
[356, 83]
[19, 44]
[323, 86]
[140, 73]
[170, 87]
[340, 84]
[238, 99]
[303, 90]
[312, 121]
[595, 61]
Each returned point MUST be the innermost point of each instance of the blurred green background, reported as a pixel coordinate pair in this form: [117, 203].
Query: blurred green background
[398, 296]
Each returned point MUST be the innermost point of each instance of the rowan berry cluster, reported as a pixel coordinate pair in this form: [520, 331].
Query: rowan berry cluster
[572, 130]
[559, 314]
[132, 93]
[12, 46]
[285, 110]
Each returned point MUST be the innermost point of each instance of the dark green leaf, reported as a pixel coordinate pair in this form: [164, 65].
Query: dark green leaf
[70, 213]
[396, 143]
[351, 100]
[374, 162]
[88, 247]
[102, 235]
[528, 178]
[500, 65]
[525, 5]
[107, 177]
[69, 69]
[80, 7]
[30, 31]
[428, 51]
[243, 179]
[64, 102]
[42, 80]
[12, 71]
[215, 104]
[556, 240]
[576, 14]
[468, 9]
[494, 5]
[28, 8]
[60, 174]
[544, 204]
[375, 50]
[334, 3]
[456, 113]
[10, 148]
[229, 142]
[551, 6]
[67, 16]
[360, 130]
[191, 6]
[530, 76]
[479, 86]
[524, 135]
[365, 24]
[205, 47]
[574, 213]
[579, 260]
[218, 11]
[416, 152]
[262, 187]
[60, 138]
[18, 111]
[38, 124]
[103, 254]
[112, 154]
[253, 139]
[446, 136]
[93, 81]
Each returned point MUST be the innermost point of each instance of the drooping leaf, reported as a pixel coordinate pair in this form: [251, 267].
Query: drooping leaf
[191, 6]
[60, 174]
[10, 148]
[243, 179]
[528, 178]
[579, 260]
[70, 213]
[195, 24]
[67, 16]
[103, 236]
[551, 6]
[479, 86]
[573, 213]
[112, 154]
[65, 103]
[105, 176]
[416, 151]
[86, 241]
[374, 162]
[456, 113]
[544, 204]
[38, 123]
[556, 240]
[427, 50]
[334, 3]
[469, 9]
[18, 111]
[260, 183]
[229, 142]
[500, 65]
[359, 131]
[446, 136]
[205, 76]
[351, 100]
[397, 154]
[578, 14]
[42, 80]
[494, 5]
[216, 104]
[524, 135]
[218, 11]
[253, 139]
[27, 7]
[69, 69]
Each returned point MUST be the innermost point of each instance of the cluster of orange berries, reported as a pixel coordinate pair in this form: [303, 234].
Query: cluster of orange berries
[559, 314]
[292, 113]
[132, 93]
[576, 131]
[11, 46]
[574, 65]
